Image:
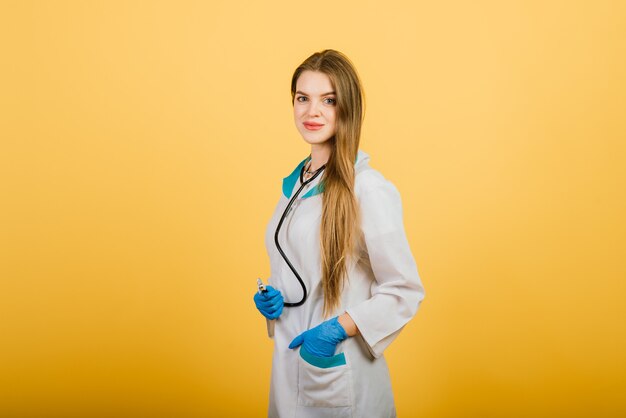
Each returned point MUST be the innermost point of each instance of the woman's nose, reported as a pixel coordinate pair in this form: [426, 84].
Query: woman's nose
[313, 108]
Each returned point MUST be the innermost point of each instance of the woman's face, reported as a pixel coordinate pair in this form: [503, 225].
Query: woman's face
[314, 107]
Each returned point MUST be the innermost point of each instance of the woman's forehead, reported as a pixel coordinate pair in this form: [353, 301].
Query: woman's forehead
[314, 83]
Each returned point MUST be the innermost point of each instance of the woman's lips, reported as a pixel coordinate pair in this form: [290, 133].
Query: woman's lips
[313, 126]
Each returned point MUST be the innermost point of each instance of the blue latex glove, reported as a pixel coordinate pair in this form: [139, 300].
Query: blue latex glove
[269, 303]
[321, 340]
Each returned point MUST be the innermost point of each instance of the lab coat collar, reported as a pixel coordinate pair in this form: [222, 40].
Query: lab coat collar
[290, 181]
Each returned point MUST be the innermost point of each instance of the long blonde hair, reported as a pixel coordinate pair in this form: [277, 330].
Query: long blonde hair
[340, 212]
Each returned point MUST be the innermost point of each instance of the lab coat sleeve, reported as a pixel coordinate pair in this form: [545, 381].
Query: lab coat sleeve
[397, 290]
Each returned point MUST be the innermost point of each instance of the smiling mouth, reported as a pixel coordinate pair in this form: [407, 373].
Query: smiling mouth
[312, 126]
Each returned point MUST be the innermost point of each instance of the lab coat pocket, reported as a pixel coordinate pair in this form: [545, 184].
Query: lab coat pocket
[324, 381]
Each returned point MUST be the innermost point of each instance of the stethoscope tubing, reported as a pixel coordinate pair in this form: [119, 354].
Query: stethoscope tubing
[280, 223]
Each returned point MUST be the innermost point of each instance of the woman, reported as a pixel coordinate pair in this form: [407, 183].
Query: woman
[350, 283]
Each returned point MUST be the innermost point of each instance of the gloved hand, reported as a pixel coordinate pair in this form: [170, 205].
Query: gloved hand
[269, 303]
[321, 340]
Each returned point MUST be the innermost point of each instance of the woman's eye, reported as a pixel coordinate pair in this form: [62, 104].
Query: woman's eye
[332, 101]
[300, 97]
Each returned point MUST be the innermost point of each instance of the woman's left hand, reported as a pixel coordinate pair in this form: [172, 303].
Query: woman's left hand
[322, 339]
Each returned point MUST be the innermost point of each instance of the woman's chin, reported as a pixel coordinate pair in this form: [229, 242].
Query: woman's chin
[314, 139]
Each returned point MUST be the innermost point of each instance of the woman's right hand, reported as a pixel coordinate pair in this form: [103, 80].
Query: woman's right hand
[269, 303]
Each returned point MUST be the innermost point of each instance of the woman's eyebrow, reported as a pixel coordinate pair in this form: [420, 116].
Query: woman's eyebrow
[325, 94]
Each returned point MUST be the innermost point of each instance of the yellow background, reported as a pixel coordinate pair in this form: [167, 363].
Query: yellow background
[143, 146]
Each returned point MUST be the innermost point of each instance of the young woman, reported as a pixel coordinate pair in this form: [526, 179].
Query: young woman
[343, 280]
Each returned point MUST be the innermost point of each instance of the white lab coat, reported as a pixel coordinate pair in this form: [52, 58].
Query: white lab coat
[382, 294]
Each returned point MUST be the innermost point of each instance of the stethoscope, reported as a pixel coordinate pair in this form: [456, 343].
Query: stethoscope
[280, 223]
